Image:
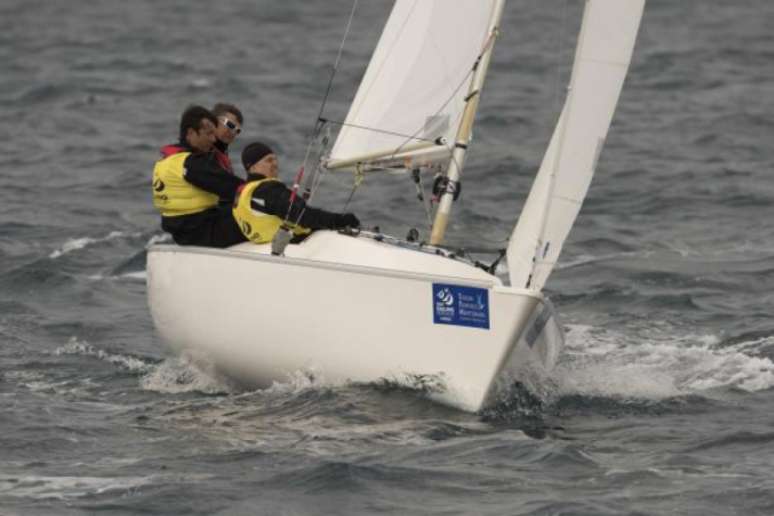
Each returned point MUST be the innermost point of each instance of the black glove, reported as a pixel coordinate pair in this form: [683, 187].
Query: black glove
[347, 220]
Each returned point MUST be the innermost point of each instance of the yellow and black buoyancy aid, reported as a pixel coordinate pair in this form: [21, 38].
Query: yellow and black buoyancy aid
[259, 227]
[172, 194]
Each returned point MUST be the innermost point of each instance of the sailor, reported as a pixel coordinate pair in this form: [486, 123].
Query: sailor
[229, 126]
[188, 184]
[264, 202]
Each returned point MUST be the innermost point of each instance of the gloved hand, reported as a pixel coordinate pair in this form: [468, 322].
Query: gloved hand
[347, 220]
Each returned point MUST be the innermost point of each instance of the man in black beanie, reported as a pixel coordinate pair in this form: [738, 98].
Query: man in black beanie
[263, 204]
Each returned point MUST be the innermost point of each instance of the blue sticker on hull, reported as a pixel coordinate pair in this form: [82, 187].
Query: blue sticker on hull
[460, 306]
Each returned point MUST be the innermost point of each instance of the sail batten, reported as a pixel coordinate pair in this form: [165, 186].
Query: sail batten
[418, 77]
[603, 54]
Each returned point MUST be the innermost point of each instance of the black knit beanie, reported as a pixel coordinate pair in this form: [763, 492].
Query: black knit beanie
[254, 153]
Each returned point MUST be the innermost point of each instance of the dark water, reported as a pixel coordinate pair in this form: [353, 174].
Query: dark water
[661, 405]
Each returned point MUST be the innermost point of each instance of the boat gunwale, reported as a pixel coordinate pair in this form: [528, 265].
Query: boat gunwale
[357, 269]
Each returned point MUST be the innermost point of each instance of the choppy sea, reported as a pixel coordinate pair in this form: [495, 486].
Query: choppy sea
[662, 403]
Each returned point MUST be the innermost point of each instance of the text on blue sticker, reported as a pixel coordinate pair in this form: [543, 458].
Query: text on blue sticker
[460, 306]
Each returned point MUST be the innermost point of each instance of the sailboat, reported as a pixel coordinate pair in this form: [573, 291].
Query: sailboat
[365, 307]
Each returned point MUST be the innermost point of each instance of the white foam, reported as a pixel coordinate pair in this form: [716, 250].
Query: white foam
[137, 275]
[68, 487]
[41, 487]
[658, 365]
[75, 347]
[201, 83]
[131, 276]
[159, 239]
[296, 382]
[179, 375]
[75, 244]
[585, 259]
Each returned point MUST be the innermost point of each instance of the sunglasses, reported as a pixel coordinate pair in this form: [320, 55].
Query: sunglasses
[231, 126]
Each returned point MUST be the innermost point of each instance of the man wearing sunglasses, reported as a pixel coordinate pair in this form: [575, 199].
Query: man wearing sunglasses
[229, 126]
[191, 190]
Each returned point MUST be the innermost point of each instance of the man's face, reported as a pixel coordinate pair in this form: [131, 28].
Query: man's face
[228, 128]
[203, 139]
[268, 166]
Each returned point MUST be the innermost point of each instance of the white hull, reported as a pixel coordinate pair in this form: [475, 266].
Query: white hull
[348, 309]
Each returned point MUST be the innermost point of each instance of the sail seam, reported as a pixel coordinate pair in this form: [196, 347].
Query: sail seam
[619, 64]
[566, 199]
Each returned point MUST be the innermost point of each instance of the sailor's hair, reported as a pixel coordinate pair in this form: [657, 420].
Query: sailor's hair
[221, 108]
[192, 119]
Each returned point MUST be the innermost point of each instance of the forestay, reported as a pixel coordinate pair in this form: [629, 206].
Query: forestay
[602, 59]
[414, 88]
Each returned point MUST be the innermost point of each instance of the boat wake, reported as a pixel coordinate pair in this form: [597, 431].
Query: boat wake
[180, 375]
[658, 365]
[653, 366]
[171, 375]
[654, 372]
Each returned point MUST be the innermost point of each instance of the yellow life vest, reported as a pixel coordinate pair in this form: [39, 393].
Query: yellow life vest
[172, 194]
[259, 227]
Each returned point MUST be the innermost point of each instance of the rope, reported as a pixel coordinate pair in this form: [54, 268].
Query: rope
[381, 131]
[320, 122]
[487, 44]
[336, 63]
[408, 138]
[358, 180]
[419, 186]
[415, 136]
[316, 178]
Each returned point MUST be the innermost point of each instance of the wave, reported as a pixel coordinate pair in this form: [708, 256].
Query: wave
[66, 487]
[601, 362]
[75, 244]
[125, 362]
[181, 375]
[585, 259]
[141, 276]
[170, 376]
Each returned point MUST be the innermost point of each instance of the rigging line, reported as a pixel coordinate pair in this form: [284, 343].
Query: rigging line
[351, 195]
[319, 123]
[425, 204]
[319, 173]
[415, 136]
[317, 177]
[356, 111]
[419, 188]
[487, 45]
[336, 63]
[375, 130]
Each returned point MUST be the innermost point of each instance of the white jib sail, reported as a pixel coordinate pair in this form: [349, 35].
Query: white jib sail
[602, 58]
[416, 82]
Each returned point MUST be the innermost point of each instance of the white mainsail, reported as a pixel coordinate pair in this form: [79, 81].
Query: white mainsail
[604, 51]
[414, 89]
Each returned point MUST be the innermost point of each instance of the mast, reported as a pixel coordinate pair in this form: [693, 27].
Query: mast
[466, 126]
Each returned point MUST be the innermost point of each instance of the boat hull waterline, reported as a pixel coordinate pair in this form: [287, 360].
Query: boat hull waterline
[325, 308]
